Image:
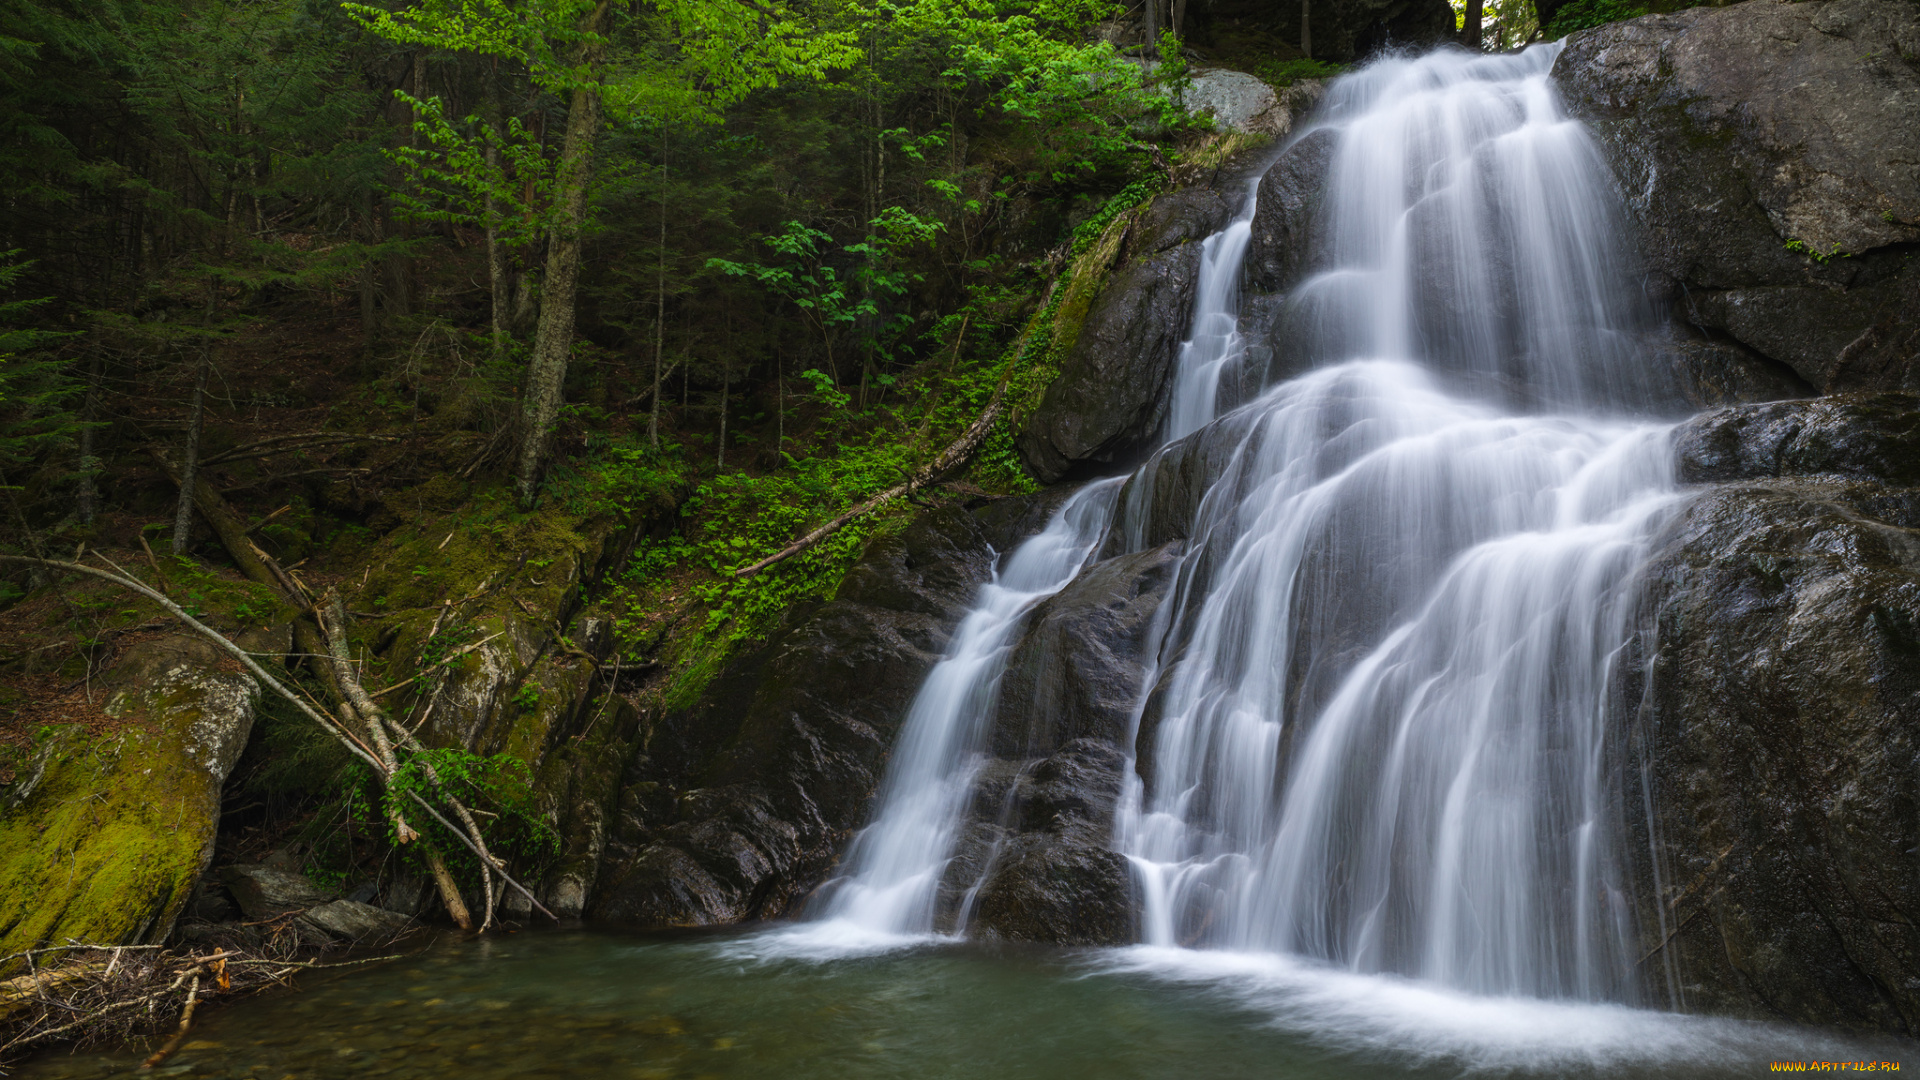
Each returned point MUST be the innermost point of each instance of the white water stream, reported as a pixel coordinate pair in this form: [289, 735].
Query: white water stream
[1378, 734]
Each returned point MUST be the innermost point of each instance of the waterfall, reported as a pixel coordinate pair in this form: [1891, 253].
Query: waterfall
[1378, 736]
[893, 868]
[1214, 341]
[1376, 731]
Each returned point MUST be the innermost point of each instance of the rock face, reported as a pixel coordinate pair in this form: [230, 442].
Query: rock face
[102, 838]
[1781, 725]
[1766, 154]
[740, 805]
[1039, 844]
[1110, 397]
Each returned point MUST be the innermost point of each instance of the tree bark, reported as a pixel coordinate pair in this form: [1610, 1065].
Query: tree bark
[183, 513]
[1179, 16]
[1150, 23]
[553, 338]
[500, 287]
[659, 300]
[726, 384]
[1470, 31]
[1306, 29]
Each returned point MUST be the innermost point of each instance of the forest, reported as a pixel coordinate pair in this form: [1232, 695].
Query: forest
[499, 462]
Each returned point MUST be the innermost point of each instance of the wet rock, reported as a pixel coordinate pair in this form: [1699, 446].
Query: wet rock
[103, 838]
[1860, 436]
[1110, 398]
[1780, 726]
[1764, 151]
[1039, 850]
[743, 801]
[353, 921]
[1708, 373]
[1077, 670]
[1035, 860]
[1286, 241]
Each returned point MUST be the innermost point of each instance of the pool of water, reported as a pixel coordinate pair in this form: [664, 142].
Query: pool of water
[805, 1003]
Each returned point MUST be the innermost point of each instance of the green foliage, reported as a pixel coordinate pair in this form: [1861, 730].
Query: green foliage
[678, 60]
[1586, 14]
[36, 390]
[500, 785]
[1281, 74]
[472, 173]
[1127, 198]
[1816, 255]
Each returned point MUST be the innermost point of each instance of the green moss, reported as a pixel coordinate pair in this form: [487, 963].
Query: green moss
[101, 839]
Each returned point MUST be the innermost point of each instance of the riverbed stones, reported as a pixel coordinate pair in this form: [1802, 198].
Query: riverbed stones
[1765, 152]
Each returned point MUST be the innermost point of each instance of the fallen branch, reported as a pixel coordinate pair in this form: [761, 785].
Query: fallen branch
[954, 456]
[102, 997]
[451, 657]
[127, 581]
[287, 444]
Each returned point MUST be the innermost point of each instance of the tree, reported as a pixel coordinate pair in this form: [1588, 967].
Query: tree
[678, 61]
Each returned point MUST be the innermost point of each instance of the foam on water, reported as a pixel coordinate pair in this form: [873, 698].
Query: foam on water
[1381, 803]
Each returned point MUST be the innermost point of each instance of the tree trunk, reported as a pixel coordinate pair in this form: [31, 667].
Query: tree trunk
[1470, 32]
[500, 287]
[1179, 16]
[659, 300]
[553, 338]
[183, 514]
[1306, 29]
[88, 493]
[726, 384]
[1150, 22]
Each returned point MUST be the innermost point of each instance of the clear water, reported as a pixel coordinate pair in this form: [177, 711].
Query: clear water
[594, 1005]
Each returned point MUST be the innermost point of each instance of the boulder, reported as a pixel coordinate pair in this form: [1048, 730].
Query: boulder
[1237, 101]
[1285, 241]
[267, 892]
[1765, 153]
[104, 835]
[1110, 397]
[744, 800]
[1780, 723]
[1037, 853]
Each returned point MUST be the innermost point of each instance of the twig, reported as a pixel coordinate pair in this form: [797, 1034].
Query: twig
[310, 439]
[180, 1036]
[451, 657]
[127, 581]
[428, 807]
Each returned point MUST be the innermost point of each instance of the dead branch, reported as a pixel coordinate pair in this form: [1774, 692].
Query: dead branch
[127, 581]
[451, 657]
[287, 444]
[954, 456]
[128, 991]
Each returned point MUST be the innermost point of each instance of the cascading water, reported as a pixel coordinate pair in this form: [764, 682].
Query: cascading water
[1376, 732]
[894, 865]
[1214, 342]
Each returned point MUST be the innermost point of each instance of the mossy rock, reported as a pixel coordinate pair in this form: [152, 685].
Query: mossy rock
[104, 831]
